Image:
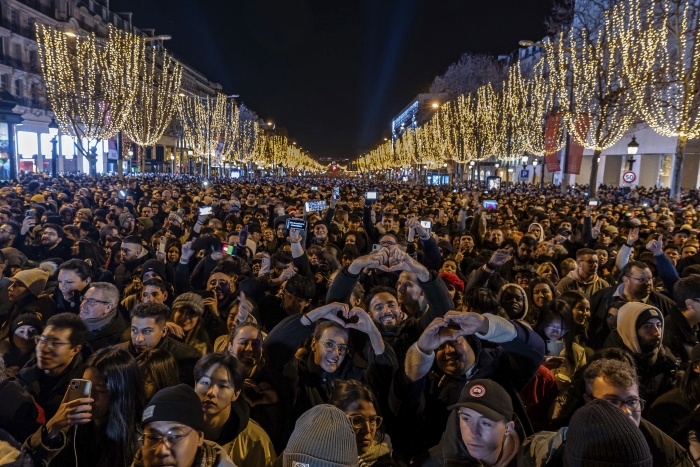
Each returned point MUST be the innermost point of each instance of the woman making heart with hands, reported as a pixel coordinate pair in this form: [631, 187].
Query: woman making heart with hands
[308, 380]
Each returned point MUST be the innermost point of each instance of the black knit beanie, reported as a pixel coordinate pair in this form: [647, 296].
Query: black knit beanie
[601, 435]
[178, 404]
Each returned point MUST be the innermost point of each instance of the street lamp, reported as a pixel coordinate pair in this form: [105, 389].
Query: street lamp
[435, 105]
[524, 160]
[53, 131]
[632, 150]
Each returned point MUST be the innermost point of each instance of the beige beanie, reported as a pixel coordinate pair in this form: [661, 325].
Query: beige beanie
[33, 279]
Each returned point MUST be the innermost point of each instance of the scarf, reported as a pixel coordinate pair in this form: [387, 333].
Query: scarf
[95, 324]
[207, 456]
[375, 451]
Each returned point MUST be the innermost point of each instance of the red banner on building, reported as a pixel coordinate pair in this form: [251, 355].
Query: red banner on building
[550, 143]
[576, 150]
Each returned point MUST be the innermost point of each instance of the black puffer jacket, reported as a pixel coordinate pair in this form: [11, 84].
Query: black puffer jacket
[301, 383]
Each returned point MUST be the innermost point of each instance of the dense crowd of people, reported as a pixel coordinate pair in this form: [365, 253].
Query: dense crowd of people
[346, 322]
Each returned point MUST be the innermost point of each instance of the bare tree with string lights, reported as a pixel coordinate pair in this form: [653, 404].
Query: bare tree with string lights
[156, 99]
[90, 83]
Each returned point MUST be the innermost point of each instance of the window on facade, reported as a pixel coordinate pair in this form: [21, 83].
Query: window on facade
[46, 146]
[27, 144]
[18, 51]
[2, 46]
[30, 23]
[18, 88]
[4, 82]
[67, 146]
[15, 16]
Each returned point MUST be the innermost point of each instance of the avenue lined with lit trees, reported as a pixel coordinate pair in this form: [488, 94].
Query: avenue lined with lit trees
[101, 87]
[639, 65]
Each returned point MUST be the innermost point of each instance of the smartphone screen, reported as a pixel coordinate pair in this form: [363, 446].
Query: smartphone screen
[228, 249]
[163, 242]
[371, 195]
[205, 211]
[296, 224]
[593, 202]
[314, 206]
[336, 192]
[426, 224]
[490, 204]
[314, 188]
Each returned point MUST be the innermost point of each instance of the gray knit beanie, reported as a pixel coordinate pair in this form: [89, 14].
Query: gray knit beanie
[322, 437]
[190, 300]
[601, 435]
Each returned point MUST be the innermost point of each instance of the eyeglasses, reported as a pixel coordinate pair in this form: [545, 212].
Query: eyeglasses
[360, 421]
[387, 243]
[332, 346]
[634, 404]
[48, 343]
[93, 302]
[641, 280]
[555, 329]
[151, 439]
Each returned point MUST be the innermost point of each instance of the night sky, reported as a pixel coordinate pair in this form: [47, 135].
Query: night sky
[334, 73]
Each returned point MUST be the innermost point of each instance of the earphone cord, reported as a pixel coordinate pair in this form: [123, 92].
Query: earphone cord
[75, 451]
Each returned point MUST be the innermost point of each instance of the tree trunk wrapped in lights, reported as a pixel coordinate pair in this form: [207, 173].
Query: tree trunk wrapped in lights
[661, 50]
[155, 101]
[90, 83]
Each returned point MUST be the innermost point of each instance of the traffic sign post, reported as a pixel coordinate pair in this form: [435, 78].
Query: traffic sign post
[629, 177]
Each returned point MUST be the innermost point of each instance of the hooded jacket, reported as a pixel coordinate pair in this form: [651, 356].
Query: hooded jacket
[657, 369]
[525, 303]
[245, 441]
[452, 452]
[573, 281]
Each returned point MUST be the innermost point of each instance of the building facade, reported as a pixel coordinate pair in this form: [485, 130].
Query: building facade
[20, 74]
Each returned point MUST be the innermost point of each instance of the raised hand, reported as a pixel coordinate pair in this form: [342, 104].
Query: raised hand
[288, 272]
[432, 338]
[595, 231]
[371, 261]
[656, 246]
[69, 413]
[187, 251]
[27, 224]
[175, 330]
[402, 261]
[294, 236]
[330, 311]
[415, 225]
[500, 257]
[633, 236]
[213, 304]
[245, 307]
[469, 323]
